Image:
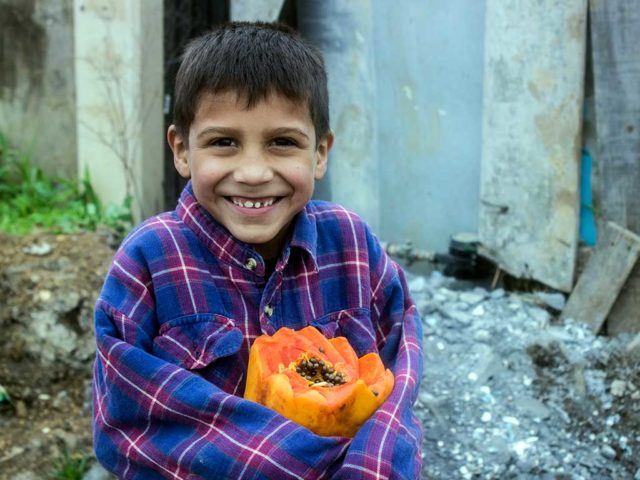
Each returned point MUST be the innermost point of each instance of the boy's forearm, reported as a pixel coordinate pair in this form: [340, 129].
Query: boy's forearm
[389, 444]
[152, 416]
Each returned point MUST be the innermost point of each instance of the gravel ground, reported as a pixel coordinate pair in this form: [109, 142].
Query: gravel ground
[508, 392]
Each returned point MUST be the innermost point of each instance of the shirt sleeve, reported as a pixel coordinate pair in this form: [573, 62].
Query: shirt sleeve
[389, 444]
[154, 419]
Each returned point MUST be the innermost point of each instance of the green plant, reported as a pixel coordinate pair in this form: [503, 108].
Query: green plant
[70, 466]
[29, 198]
[4, 395]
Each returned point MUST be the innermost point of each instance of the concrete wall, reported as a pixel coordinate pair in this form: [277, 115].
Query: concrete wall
[533, 102]
[37, 100]
[81, 90]
[405, 81]
[429, 70]
[345, 33]
[119, 77]
[255, 10]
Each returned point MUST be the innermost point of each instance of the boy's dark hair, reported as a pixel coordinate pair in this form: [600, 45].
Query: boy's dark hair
[254, 60]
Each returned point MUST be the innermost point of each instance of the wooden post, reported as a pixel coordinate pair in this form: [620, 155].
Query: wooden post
[605, 274]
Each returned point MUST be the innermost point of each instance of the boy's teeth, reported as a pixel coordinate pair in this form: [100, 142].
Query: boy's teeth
[250, 204]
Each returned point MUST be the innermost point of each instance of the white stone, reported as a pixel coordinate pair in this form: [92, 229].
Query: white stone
[471, 297]
[38, 249]
[618, 387]
[481, 335]
[553, 300]
[497, 293]
[45, 295]
[511, 421]
[417, 284]
[97, 472]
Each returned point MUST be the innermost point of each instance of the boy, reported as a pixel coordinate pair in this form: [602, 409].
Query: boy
[245, 253]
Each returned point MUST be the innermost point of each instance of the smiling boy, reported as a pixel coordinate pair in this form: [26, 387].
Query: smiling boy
[252, 169]
[246, 252]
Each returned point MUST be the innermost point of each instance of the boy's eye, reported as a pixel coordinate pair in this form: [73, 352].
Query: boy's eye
[223, 142]
[283, 142]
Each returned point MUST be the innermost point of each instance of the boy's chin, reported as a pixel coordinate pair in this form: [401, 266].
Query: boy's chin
[267, 244]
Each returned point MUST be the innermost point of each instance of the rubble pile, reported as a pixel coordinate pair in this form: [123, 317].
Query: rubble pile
[508, 392]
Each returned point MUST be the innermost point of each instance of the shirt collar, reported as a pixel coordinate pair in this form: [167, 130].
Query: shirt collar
[305, 233]
[228, 249]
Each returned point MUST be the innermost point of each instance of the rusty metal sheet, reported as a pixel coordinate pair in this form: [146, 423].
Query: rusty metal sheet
[533, 95]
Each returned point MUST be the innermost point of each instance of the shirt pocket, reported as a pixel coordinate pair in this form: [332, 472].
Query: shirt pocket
[196, 341]
[354, 324]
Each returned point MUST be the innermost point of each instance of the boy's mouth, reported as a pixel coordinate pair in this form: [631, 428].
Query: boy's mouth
[254, 203]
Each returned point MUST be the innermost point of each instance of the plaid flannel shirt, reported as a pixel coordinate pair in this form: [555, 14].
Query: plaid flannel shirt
[180, 307]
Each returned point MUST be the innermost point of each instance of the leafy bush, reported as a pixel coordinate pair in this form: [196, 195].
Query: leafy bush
[29, 199]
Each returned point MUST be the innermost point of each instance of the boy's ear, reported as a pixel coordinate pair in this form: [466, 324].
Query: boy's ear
[180, 150]
[322, 155]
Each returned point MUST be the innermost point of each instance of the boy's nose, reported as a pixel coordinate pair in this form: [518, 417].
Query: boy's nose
[253, 170]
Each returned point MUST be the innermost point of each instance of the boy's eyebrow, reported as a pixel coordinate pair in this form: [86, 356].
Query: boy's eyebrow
[233, 132]
[288, 130]
[219, 130]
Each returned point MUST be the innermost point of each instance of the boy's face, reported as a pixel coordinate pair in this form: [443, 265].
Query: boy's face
[252, 169]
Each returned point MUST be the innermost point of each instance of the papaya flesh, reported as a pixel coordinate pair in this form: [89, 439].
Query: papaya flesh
[317, 382]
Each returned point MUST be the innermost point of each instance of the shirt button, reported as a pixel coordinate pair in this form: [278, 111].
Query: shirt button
[251, 264]
[268, 310]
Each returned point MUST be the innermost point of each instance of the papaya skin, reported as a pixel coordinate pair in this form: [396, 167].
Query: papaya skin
[316, 382]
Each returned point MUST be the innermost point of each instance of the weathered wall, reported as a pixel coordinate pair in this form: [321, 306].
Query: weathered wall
[345, 33]
[252, 10]
[533, 102]
[119, 76]
[406, 99]
[615, 28]
[37, 100]
[428, 58]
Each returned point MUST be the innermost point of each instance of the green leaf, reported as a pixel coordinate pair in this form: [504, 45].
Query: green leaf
[4, 395]
[30, 198]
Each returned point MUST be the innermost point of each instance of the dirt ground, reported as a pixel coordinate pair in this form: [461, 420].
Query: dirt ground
[49, 411]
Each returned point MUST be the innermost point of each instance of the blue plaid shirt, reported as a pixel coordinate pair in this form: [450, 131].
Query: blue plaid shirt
[181, 305]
